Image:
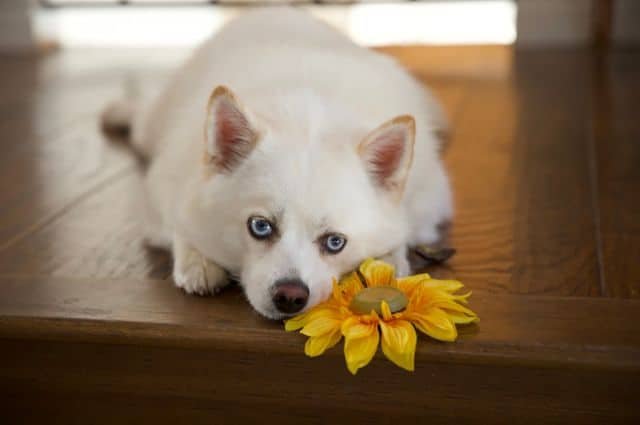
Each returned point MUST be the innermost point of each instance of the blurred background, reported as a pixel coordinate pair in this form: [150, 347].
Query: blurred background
[148, 23]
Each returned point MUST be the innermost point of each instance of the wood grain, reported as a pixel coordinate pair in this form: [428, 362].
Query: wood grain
[518, 158]
[102, 236]
[54, 153]
[145, 342]
[78, 383]
[555, 238]
[616, 161]
[515, 329]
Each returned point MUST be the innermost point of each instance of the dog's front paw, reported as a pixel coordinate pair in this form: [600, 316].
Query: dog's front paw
[194, 273]
[200, 277]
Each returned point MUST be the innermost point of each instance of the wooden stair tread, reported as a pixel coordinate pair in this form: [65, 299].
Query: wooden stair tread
[515, 329]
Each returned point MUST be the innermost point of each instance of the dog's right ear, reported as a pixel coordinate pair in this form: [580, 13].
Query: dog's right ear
[229, 136]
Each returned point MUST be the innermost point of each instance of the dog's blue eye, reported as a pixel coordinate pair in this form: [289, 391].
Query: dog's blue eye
[334, 243]
[260, 227]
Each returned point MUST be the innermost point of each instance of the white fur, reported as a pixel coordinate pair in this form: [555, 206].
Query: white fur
[315, 96]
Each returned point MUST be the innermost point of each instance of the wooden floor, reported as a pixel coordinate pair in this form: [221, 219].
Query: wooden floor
[545, 163]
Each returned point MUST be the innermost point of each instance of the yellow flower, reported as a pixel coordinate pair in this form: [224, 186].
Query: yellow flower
[371, 303]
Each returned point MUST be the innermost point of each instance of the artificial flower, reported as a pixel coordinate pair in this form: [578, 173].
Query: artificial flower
[370, 307]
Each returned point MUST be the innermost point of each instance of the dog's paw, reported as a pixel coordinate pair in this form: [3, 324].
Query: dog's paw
[197, 275]
[204, 278]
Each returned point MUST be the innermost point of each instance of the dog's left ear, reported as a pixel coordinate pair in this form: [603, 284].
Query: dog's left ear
[387, 153]
[229, 136]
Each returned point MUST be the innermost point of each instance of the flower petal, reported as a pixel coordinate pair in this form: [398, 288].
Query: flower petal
[377, 273]
[423, 298]
[295, 323]
[321, 325]
[354, 328]
[443, 285]
[347, 288]
[399, 343]
[460, 318]
[358, 352]
[436, 324]
[458, 314]
[409, 283]
[317, 345]
[325, 309]
[386, 311]
[464, 298]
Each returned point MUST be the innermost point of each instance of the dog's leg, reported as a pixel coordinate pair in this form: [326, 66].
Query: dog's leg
[398, 258]
[194, 273]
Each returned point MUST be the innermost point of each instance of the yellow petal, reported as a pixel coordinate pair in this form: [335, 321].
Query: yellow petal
[358, 352]
[320, 326]
[409, 283]
[436, 324]
[458, 314]
[462, 298]
[354, 328]
[461, 319]
[321, 310]
[399, 343]
[297, 322]
[347, 288]
[377, 273]
[317, 345]
[443, 285]
[386, 311]
[423, 298]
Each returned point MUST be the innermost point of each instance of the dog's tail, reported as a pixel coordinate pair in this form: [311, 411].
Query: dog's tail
[118, 124]
[117, 118]
[119, 121]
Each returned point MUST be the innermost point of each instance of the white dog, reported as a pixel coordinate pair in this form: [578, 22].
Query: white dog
[283, 154]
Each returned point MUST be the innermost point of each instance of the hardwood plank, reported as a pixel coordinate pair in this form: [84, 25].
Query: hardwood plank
[515, 329]
[518, 157]
[44, 177]
[478, 160]
[101, 236]
[556, 241]
[88, 383]
[56, 153]
[617, 169]
[50, 114]
[135, 345]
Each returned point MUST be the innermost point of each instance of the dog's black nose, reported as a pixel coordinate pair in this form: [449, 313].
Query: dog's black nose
[290, 295]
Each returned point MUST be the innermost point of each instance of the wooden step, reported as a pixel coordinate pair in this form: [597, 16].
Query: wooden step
[107, 350]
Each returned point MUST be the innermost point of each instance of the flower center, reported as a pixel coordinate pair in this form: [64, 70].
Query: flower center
[371, 298]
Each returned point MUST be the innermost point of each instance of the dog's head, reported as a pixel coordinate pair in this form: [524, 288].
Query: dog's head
[299, 203]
